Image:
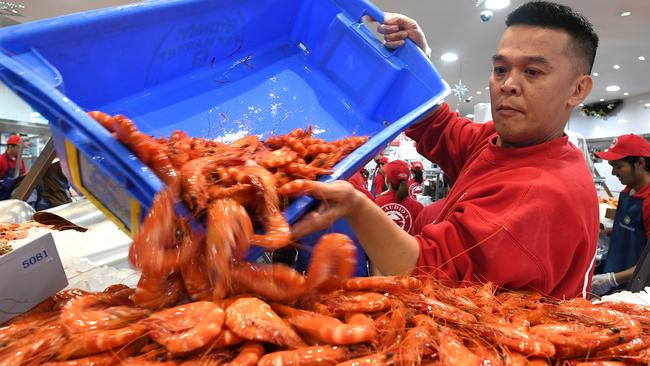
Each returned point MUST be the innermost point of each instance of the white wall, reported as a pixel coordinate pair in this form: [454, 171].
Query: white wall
[632, 117]
[482, 112]
[12, 107]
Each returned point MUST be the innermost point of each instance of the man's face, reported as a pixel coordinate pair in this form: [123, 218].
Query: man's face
[624, 171]
[534, 85]
[12, 150]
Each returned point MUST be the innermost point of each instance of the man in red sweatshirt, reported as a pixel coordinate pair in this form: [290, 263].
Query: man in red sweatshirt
[523, 210]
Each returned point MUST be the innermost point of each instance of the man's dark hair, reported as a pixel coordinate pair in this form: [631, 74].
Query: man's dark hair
[633, 159]
[561, 17]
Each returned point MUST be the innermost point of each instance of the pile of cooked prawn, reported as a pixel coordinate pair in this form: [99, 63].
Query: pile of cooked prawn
[198, 302]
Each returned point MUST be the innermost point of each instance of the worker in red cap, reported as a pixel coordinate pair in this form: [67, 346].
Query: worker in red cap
[8, 159]
[415, 186]
[629, 156]
[396, 202]
[379, 181]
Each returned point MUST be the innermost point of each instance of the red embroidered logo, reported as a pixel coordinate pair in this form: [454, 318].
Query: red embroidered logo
[415, 189]
[399, 214]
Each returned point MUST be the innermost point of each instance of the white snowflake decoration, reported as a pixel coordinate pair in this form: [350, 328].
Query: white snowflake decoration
[459, 90]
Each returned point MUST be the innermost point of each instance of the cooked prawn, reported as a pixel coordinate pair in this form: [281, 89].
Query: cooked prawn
[249, 353]
[186, 327]
[333, 259]
[154, 291]
[253, 319]
[276, 282]
[328, 329]
[390, 284]
[154, 246]
[96, 341]
[308, 356]
[358, 302]
[88, 312]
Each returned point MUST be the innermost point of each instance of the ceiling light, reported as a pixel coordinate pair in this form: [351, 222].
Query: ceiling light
[594, 73]
[487, 88]
[616, 67]
[626, 13]
[626, 94]
[449, 57]
[647, 105]
[496, 4]
[470, 116]
[582, 104]
[613, 88]
[602, 99]
[641, 58]
[479, 92]
[622, 120]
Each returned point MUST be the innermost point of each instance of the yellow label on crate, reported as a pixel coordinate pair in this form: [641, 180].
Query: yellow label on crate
[112, 195]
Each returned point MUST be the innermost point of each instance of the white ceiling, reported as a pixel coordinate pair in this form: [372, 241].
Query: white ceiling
[454, 25]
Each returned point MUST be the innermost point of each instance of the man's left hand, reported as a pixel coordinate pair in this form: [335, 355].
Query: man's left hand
[603, 283]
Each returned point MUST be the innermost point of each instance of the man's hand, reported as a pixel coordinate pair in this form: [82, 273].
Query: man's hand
[338, 199]
[603, 283]
[398, 27]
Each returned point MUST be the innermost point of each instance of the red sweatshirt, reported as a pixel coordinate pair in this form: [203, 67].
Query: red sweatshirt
[402, 213]
[520, 217]
[415, 188]
[8, 163]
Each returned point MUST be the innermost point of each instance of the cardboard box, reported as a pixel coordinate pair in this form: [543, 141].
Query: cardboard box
[28, 275]
[610, 213]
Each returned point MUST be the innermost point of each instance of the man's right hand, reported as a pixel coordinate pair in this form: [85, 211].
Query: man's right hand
[397, 27]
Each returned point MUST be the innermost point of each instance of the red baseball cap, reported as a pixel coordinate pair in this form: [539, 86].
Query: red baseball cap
[13, 140]
[383, 160]
[626, 145]
[417, 165]
[396, 171]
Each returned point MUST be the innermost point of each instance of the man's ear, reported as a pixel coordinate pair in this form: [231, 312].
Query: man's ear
[641, 163]
[581, 90]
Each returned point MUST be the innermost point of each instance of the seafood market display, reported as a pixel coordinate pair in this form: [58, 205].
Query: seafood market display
[366, 321]
[198, 302]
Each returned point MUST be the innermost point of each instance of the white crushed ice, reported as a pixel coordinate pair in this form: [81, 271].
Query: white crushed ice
[638, 298]
[86, 275]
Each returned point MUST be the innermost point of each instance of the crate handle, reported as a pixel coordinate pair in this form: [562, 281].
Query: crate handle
[34, 61]
[357, 9]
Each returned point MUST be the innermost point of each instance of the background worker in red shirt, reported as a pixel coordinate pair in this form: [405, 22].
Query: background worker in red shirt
[8, 159]
[396, 202]
[379, 181]
[523, 211]
[360, 184]
[629, 156]
[415, 186]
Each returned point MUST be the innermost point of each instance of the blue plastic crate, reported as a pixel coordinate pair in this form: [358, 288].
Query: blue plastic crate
[217, 69]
